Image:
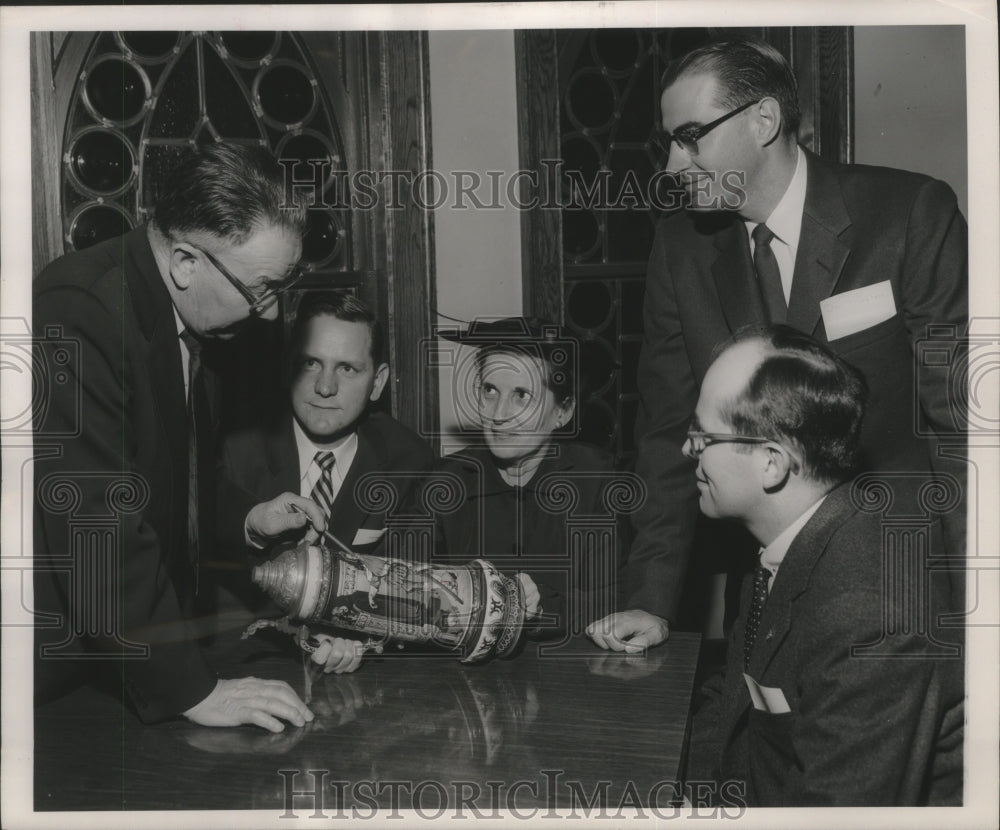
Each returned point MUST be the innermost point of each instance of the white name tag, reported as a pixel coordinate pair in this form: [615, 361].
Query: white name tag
[857, 310]
[766, 698]
[365, 536]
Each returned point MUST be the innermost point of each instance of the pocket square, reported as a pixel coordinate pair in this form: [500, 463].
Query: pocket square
[365, 535]
[857, 310]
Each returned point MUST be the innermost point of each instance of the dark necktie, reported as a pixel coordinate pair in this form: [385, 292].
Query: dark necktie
[768, 275]
[198, 440]
[760, 579]
[322, 493]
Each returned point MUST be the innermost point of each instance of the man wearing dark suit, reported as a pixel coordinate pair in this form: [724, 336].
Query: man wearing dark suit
[275, 481]
[827, 699]
[862, 258]
[125, 436]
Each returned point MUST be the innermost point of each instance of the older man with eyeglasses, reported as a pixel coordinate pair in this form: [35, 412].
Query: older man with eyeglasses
[129, 431]
[869, 260]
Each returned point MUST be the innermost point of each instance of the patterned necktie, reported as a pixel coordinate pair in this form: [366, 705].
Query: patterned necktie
[322, 493]
[760, 579]
[197, 405]
[768, 275]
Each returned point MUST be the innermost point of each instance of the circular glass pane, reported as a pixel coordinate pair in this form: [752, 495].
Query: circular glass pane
[285, 94]
[617, 49]
[116, 90]
[309, 152]
[589, 305]
[322, 237]
[599, 364]
[102, 161]
[150, 45]
[591, 100]
[97, 223]
[249, 46]
[598, 424]
[581, 234]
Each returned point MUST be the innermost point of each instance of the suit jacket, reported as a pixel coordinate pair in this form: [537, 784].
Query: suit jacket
[113, 574]
[861, 226]
[261, 463]
[874, 718]
[569, 504]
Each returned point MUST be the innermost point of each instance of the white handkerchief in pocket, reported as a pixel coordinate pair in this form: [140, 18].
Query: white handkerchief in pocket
[857, 310]
[365, 535]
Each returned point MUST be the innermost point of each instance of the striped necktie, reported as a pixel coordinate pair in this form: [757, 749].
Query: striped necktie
[760, 579]
[322, 493]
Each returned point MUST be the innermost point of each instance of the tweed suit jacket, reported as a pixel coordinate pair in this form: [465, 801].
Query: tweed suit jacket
[875, 708]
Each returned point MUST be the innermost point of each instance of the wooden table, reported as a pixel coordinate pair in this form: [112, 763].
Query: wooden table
[551, 727]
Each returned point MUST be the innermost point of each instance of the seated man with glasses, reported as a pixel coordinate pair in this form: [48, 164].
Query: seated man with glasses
[129, 432]
[840, 687]
[863, 258]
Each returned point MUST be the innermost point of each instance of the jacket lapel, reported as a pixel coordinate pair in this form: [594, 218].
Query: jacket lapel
[793, 576]
[822, 250]
[347, 514]
[155, 320]
[732, 270]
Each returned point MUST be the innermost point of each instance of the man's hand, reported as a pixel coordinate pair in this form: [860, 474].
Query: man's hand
[286, 512]
[631, 631]
[337, 655]
[531, 596]
[250, 700]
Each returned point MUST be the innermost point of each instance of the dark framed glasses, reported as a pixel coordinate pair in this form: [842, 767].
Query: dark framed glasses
[687, 137]
[259, 303]
[698, 441]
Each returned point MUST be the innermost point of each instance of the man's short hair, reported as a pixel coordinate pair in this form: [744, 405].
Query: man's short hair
[344, 306]
[746, 71]
[803, 394]
[227, 190]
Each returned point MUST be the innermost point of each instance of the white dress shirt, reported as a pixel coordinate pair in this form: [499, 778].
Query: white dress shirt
[785, 222]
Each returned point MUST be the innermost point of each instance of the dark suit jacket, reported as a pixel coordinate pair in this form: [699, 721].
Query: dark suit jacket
[861, 226]
[261, 463]
[111, 478]
[882, 725]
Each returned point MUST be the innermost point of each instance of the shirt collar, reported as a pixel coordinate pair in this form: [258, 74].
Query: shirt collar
[773, 555]
[343, 453]
[785, 221]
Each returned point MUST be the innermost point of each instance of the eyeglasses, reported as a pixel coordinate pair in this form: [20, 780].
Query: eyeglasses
[259, 303]
[687, 138]
[697, 441]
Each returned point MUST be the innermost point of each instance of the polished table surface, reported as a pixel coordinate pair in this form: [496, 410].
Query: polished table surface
[553, 726]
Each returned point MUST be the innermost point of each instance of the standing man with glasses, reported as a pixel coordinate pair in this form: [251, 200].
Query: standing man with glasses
[863, 258]
[128, 437]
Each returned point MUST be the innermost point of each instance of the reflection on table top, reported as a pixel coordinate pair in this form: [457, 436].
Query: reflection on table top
[552, 726]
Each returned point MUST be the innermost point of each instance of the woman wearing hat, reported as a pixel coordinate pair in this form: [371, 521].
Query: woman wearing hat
[525, 487]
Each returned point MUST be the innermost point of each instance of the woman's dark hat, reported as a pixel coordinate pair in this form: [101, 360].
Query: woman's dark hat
[516, 331]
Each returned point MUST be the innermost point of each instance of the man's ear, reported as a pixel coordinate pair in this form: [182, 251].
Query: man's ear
[778, 465]
[767, 118]
[182, 266]
[381, 376]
